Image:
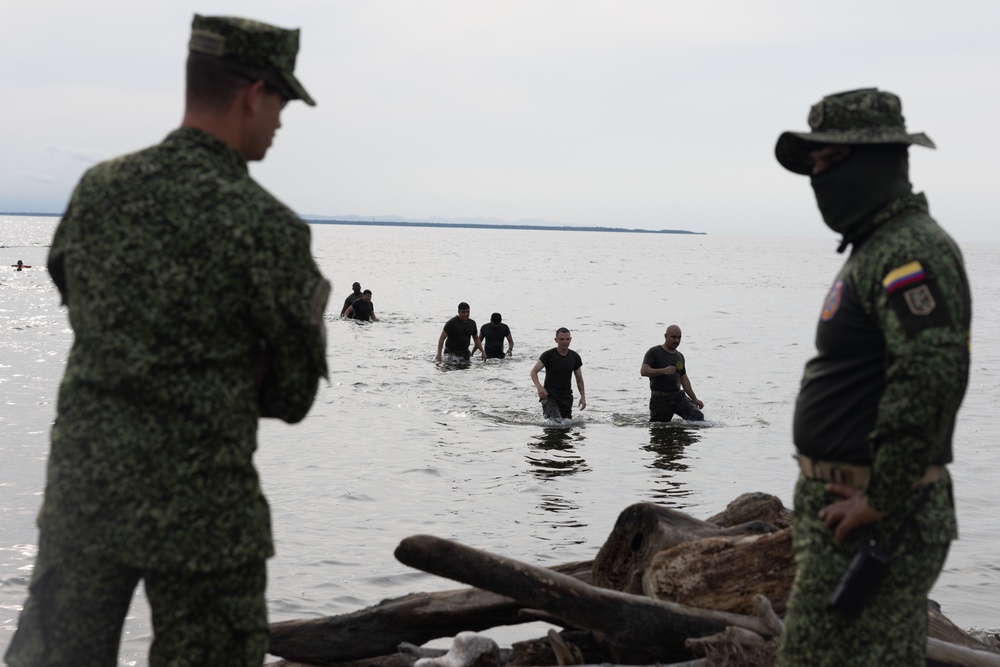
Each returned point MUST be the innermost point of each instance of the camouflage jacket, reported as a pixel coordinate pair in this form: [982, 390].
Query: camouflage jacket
[197, 308]
[893, 360]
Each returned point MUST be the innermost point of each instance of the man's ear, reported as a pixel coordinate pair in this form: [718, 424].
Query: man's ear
[250, 97]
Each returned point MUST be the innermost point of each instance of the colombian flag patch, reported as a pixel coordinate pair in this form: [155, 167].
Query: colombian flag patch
[902, 276]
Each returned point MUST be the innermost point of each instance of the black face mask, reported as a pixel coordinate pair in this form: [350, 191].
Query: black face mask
[852, 191]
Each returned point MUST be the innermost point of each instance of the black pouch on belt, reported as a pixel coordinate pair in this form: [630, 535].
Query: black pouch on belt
[868, 568]
[860, 580]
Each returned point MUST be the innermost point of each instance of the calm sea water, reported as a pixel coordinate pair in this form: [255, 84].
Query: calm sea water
[397, 445]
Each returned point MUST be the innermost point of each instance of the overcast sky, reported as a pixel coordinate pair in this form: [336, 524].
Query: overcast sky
[655, 114]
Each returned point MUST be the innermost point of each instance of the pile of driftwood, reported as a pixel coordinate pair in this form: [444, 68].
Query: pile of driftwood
[664, 589]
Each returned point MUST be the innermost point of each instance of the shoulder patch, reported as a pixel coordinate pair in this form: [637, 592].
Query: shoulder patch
[833, 299]
[919, 300]
[913, 294]
[902, 276]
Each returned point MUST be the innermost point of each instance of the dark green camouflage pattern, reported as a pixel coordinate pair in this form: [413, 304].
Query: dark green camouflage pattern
[223, 621]
[252, 44]
[926, 375]
[926, 371]
[892, 628]
[177, 270]
[865, 116]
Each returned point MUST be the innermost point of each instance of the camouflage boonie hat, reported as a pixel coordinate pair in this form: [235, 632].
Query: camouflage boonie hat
[252, 44]
[864, 116]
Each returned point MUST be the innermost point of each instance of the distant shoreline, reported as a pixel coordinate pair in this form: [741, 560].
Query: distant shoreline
[449, 225]
[470, 225]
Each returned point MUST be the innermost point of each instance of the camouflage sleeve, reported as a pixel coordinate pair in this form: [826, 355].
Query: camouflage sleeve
[293, 296]
[920, 300]
[57, 251]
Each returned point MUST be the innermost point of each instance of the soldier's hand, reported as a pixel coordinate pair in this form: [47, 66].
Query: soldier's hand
[847, 514]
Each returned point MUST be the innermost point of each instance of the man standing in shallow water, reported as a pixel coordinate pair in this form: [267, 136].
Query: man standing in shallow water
[492, 335]
[560, 364]
[667, 373]
[217, 322]
[456, 334]
[355, 294]
[363, 309]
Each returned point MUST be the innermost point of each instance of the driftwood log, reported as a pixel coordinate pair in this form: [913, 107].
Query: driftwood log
[719, 563]
[415, 618]
[644, 530]
[725, 562]
[724, 572]
[754, 506]
[636, 629]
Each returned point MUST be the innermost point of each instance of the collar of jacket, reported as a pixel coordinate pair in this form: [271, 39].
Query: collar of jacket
[189, 137]
[896, 207]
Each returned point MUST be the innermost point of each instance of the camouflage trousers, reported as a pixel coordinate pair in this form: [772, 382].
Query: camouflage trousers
[892, 628]
[78, 600]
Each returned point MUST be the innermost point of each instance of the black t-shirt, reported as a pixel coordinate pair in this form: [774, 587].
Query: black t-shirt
[657, 357]
[559, 369]
[493, 337]
[838, 401]
[351, 298]
[363, 310]
[459, 334]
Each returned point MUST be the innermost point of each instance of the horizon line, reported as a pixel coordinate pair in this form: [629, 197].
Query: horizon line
[473, 225]
[312, 219]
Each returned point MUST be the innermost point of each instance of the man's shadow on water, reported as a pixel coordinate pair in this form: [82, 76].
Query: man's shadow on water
[551, 453]
[668, 442]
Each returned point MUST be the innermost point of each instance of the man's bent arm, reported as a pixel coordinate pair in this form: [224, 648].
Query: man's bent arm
[289, 319]
[478, 346]
[925, 379]
[686, 383]
[534, 378]
[649, 371]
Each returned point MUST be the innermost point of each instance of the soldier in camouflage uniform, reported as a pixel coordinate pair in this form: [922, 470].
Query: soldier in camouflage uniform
[197, 309]
[876, 410]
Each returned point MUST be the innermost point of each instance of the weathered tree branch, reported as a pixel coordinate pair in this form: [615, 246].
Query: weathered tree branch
[637, 629]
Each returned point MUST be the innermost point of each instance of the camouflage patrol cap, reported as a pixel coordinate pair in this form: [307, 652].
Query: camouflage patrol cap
[252, 44]
[864, 116]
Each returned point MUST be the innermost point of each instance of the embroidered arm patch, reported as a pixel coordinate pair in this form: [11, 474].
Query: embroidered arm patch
[915, 297]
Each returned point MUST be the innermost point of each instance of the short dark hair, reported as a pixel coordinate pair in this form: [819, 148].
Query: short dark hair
[213, 83]
[367, 291]
[561, 330]
[463, 306]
